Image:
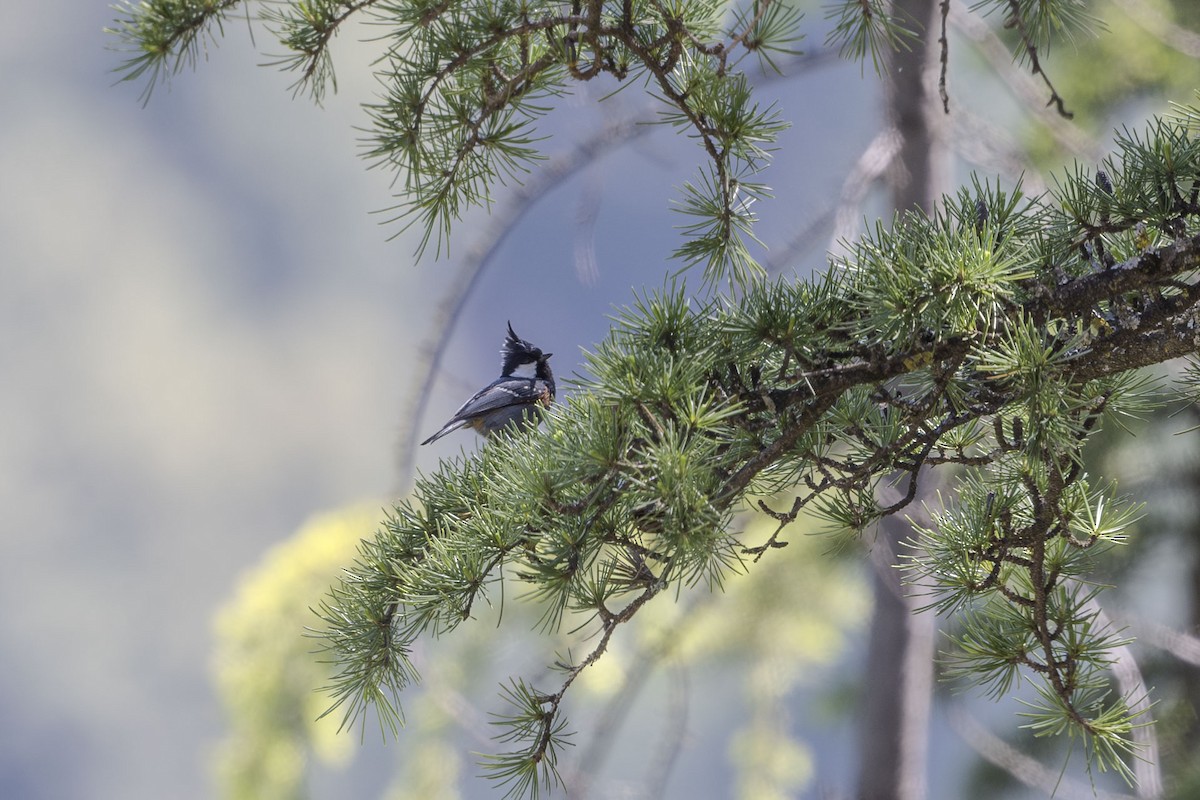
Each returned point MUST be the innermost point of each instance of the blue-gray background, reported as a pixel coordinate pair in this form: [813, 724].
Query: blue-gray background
[205, 338]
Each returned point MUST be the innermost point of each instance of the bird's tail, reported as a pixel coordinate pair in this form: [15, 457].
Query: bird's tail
[450, 426]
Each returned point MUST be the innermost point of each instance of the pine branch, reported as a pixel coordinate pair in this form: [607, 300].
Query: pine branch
[995, 338]
[991, 338]
[465, 84]
[165, 36]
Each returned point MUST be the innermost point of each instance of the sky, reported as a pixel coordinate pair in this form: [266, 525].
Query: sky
[197, 354]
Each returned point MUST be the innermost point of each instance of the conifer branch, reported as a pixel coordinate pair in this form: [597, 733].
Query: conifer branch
[987, 337]
[466, 83]
[995, 337]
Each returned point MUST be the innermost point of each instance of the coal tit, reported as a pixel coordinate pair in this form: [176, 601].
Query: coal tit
[525, 386]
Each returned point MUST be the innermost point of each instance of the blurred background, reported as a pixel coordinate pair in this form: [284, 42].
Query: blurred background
[211, 357]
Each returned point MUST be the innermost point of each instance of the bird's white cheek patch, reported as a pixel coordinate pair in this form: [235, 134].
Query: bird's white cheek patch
[525, 371]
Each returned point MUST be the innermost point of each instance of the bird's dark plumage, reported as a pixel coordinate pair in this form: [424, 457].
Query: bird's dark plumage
[525, 386]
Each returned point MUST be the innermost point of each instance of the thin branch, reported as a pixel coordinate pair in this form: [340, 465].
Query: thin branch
[1069, 135]
[1154, 22]
[944, 44]
[1183, 646]
[1147, 764]
[1024, 768]
[1035, 64]
[872, 164]
[635, 677]
[666, 755]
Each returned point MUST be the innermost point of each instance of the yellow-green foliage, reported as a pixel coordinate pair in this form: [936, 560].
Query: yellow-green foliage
[783, 623]
[266, 670]
[792, 616]
[432, 760]
[1137, 66]
[796, 606]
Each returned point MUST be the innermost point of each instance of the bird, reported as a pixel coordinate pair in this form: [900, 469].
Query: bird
[516, 398]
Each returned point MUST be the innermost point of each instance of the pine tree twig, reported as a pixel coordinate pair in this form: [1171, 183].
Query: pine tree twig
[1180, 645]
[944, 57]
[1017, 20]
[1069, 135]
[1024, 768]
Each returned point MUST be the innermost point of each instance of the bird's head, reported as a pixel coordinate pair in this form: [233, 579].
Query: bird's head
[521, 359]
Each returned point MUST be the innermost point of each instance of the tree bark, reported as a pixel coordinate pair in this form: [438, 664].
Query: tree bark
[898, 680]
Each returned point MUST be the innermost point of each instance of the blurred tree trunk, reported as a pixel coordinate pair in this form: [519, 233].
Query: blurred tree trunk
[1191, 677]
[898, 677]
[916, 179]
[897, 682]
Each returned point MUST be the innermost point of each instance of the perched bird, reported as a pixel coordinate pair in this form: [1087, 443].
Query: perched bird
[525, 386]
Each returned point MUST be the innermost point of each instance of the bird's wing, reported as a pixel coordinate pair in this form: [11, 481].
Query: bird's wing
[502, 393]
[499, 394]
